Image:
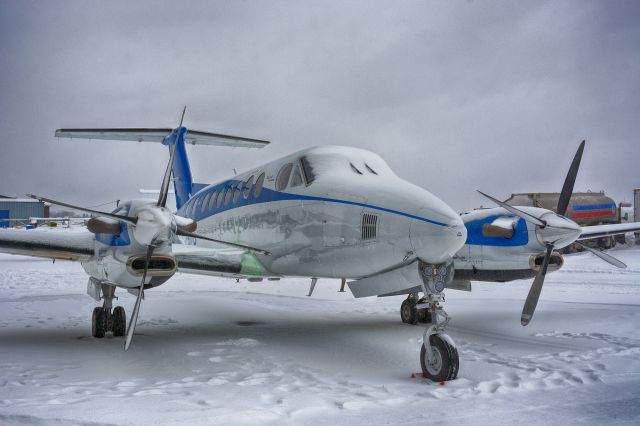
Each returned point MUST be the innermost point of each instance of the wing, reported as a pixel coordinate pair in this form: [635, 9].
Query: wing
[193, 137]
[222, 262]
[54, 244]
[605, 230]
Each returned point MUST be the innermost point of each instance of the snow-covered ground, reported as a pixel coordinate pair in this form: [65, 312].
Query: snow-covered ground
[212, 351]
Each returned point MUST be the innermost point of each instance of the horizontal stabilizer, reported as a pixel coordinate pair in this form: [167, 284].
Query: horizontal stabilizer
[192, 137]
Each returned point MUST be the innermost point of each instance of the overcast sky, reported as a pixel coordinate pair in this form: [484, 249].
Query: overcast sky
[455, 95]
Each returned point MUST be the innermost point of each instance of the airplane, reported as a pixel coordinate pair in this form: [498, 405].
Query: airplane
[323, 212]
[510, 243]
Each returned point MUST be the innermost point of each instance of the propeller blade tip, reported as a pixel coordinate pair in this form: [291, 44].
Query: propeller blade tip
[525, 319]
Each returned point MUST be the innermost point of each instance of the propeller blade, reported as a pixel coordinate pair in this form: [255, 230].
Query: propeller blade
[517, 212]
[127, 219]
[534, 292]
[569, 181]
[164, 188]
[201, 237]
[604, 256]
[136, 308]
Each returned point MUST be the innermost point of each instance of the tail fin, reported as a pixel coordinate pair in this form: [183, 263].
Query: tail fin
[183, 181]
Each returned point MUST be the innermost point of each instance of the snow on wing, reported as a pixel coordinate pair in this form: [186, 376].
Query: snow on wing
[47, 243]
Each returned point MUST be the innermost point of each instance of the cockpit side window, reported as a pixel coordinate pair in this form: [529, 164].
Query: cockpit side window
[296, 179]
[307, 171]
[370, 169]
[283, 176]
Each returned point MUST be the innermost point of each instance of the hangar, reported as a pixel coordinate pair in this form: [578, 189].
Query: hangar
[12, 210]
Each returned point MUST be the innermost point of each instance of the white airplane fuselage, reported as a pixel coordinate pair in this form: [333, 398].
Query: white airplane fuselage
[354, 219]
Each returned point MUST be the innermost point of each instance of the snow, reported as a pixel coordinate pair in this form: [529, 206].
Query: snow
[212, 351]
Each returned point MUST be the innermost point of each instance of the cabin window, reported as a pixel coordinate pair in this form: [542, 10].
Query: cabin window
[296, 179]
[355, 169]
[220, 197]
[257, 189]
[370, 169]
[204, 202]
[307, 171]
[247, 187]
[236, 193]
[212, 200]
[283, 177]
[227, 195]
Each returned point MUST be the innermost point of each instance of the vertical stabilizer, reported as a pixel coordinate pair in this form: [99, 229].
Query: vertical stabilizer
[182, 179]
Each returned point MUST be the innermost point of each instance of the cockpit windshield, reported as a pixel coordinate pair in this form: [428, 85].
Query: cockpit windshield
[307, 171]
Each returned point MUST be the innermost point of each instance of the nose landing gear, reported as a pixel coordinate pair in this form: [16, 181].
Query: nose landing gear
[105, 319]
[439, 357]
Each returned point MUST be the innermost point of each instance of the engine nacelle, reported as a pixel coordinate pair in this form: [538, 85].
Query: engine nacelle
[555, 262]
[159, 266]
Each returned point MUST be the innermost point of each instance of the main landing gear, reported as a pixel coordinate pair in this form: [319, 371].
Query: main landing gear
[439, 357]
[410, 314]
[105, 319]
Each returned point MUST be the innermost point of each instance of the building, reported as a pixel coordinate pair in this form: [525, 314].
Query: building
[16, 209]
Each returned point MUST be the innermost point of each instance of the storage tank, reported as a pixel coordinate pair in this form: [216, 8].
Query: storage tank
[585, 208]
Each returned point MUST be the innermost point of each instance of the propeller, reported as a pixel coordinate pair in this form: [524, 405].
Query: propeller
[552, 229]
[192, 235]
[136, 307]
[602, 255]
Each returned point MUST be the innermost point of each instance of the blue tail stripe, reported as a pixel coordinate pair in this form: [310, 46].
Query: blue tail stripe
[182, 179]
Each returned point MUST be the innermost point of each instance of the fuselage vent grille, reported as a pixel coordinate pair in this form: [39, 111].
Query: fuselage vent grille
[369, 226]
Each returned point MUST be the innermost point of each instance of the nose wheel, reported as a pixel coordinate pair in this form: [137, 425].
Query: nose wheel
[442, 363]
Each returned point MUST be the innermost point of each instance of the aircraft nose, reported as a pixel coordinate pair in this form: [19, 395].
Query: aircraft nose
[436, 234]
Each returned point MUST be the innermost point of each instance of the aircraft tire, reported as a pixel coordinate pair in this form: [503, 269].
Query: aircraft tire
[424, 316]
[98, 322]
[119, 318]
[408, 312]
[446, 364]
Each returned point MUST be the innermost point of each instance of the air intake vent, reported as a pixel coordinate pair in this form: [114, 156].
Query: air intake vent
[369, 226]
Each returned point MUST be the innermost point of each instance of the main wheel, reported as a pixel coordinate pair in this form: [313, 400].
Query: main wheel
[98, 322]
[408, 312]
[445, 364]
[119, 318]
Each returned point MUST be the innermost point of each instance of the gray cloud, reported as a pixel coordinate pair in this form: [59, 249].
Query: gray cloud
[455, 95]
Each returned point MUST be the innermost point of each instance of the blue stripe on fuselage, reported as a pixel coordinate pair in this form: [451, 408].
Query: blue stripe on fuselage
[475, 236]
[269, 195]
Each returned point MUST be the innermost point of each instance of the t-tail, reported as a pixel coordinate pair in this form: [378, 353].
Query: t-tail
[182, 178]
